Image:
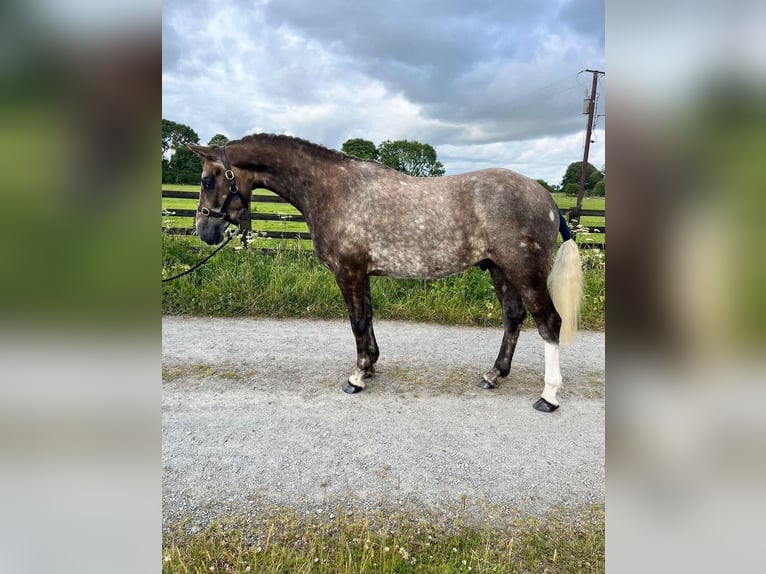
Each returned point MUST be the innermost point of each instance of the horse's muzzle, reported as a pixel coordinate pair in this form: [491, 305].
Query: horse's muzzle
[210, 232]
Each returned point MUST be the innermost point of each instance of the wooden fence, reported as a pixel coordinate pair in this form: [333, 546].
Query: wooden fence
[246, 221]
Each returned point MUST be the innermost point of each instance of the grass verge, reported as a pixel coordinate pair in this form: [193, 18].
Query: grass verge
[289, 281]
[281, 540]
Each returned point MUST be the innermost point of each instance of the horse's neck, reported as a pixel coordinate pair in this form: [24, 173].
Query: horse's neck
[289, 185]
[287, 177]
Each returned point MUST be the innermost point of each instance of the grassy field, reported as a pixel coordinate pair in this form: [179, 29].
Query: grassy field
[285, 541]
[566, 202]
[289, 281]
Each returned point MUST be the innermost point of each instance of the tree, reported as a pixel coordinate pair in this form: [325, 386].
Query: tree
[571, 188]
[545, 184]
[599, 190]
[175, 135]
[219, 140]
[410, 157]
[184, 167]
[572, 178]
[179, 165]
[361, 148]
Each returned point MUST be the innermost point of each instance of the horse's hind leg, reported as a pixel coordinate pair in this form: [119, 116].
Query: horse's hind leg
[356, 291]
[539, 303]
[513, 316]
[372, 344]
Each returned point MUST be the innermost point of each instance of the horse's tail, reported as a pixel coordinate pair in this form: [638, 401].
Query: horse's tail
[565, 284]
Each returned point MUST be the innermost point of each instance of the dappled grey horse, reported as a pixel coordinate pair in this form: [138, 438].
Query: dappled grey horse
[367, 219]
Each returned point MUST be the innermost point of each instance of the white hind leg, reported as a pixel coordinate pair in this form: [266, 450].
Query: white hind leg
[548, 402]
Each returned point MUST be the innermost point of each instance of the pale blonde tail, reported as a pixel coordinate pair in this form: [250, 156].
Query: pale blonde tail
[565, 284]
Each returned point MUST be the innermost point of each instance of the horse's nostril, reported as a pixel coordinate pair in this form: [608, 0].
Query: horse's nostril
[210, 235]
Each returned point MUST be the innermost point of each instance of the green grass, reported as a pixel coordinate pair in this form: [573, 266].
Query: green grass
[289, 281]
[280, 540]
[566, 201]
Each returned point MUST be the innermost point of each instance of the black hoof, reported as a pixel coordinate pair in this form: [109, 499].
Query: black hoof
[351, 389]
[544, 406]
[482, 383]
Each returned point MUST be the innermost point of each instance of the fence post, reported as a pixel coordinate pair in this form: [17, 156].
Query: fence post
[246, 225]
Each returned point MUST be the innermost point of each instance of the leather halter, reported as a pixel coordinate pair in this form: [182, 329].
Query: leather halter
[233, 192]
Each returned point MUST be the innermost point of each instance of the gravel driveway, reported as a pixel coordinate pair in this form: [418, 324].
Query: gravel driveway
[253, 415]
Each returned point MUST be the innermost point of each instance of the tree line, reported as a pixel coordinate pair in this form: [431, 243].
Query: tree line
[180, 166]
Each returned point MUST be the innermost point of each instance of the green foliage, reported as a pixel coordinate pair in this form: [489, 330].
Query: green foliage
[571, 189]
[218, 140]
[175, 135]
[184, 167]
[599, 190]
[410, 157]
[291, 282]
[572, 178]
[593, 311]
[360, 148]
[546, 185]
[593, 177]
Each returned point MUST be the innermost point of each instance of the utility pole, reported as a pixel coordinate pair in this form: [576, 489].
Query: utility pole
[584, 168]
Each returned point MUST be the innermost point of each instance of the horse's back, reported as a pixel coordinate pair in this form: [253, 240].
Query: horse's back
[432, 227]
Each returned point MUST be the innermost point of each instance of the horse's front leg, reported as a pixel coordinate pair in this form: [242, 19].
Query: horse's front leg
[356, 291]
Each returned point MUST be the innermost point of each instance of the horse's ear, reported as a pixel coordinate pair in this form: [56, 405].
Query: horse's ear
[204, 152]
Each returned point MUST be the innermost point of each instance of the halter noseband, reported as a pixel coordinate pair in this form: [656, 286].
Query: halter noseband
[233, 192]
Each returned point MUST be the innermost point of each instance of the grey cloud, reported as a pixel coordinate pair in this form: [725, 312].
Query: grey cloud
[171, 47]
[586, 17]
[473, 73]
[433, 52]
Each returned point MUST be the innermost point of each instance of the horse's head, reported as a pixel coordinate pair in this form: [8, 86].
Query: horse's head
[224, 194]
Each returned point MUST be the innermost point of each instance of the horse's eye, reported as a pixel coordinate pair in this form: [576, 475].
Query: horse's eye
[208, 183]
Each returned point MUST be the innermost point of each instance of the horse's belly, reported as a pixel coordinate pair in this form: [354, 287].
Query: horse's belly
[422, 262]
[424, 241]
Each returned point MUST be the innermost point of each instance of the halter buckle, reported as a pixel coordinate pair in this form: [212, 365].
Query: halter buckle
[228, 174]
[204, 211]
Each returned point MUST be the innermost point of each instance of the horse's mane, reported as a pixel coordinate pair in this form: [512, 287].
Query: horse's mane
[291, 142]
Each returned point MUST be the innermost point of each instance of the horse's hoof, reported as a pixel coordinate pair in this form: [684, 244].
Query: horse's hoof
[544, 406]
[351, 389]
[482, 383]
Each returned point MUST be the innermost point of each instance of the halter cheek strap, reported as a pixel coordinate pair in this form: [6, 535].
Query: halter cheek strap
[233, 192]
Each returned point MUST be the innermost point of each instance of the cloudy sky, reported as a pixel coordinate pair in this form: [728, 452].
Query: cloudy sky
[487, 83]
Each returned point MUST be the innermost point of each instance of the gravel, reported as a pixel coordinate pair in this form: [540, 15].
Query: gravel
[253, 416]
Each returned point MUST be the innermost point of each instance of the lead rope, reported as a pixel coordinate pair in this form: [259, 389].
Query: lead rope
[198, 265]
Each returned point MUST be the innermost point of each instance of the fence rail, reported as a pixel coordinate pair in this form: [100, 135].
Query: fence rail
[249, 216]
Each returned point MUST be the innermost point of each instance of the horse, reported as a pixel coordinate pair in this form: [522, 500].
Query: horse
[367, 219]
